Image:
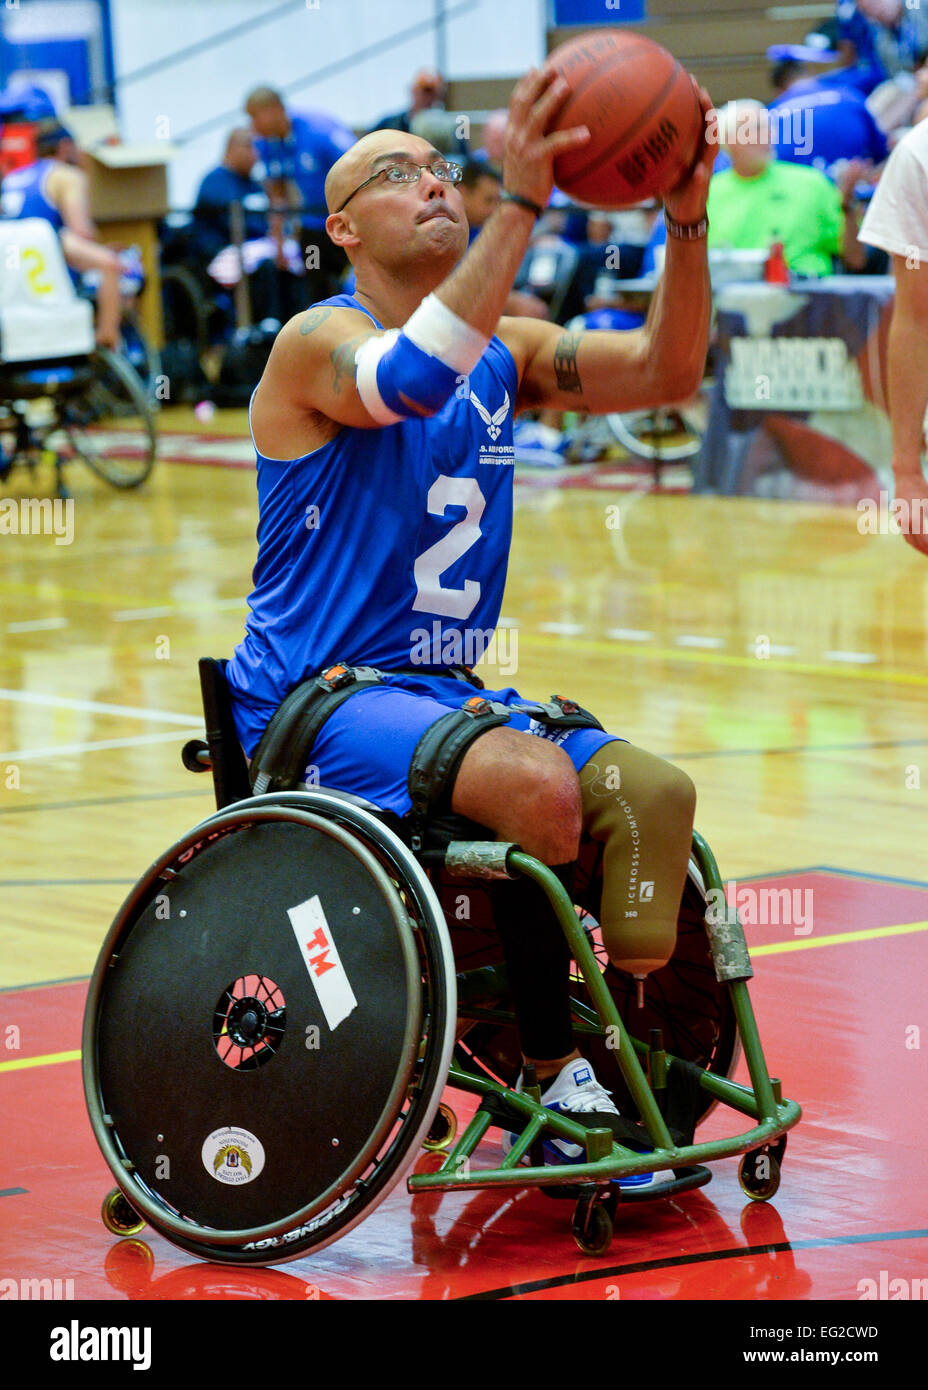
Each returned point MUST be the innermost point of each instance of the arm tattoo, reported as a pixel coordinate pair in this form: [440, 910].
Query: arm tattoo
[565, 363]
[343, 362]
[313, 318]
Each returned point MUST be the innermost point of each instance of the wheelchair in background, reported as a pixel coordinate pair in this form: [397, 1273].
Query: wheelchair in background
[61, 397]
[287, 991]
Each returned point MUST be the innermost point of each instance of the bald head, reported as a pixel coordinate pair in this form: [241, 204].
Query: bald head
[367, 155]
[240, 152]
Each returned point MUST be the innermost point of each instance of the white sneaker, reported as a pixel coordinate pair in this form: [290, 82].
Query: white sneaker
[575, 1091]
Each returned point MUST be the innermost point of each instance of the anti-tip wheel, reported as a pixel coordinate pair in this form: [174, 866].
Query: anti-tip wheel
[443, 1130]
[759, 1175]
[592, 1226]
[119, 1216]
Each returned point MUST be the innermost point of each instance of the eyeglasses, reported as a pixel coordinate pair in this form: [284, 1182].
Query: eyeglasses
[408, 172]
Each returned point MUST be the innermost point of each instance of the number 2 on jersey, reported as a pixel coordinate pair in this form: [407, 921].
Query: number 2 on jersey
[431, 594]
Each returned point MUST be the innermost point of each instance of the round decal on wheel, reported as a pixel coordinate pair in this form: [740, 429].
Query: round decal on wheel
[249, 1022]
[233, 1156]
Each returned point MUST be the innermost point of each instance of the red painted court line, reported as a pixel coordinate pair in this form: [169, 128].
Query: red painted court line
[596, 477]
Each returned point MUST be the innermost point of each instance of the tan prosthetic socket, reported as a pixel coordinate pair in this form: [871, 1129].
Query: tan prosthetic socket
[641, 809]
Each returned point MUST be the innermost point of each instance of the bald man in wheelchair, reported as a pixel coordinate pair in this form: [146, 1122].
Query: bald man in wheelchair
[383, 429]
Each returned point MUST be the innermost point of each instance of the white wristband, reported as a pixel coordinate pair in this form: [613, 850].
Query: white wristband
[437, 330]
[367, 359]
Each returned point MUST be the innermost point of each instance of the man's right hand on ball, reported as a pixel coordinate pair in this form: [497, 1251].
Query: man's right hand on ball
[531, 144]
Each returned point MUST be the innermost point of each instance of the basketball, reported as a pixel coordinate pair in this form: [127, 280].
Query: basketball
[643, 115]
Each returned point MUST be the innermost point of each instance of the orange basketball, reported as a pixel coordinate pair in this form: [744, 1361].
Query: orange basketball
[643, 115]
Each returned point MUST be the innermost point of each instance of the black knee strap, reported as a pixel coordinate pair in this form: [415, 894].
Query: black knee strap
[438, 755]
[281, 757]
[559, 713]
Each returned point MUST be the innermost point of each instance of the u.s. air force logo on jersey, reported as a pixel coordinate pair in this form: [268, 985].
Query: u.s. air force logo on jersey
[493, 453]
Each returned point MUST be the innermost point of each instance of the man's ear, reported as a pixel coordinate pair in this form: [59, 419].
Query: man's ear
[338, 226]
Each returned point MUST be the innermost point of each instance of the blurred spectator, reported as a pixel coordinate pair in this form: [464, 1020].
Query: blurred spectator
[856, 43]
[479, 189]
[440, 129]
[819, 122]
[428, 91]
[897, 221]
[276, 292]
[230, 182]
[762, 200]
[297, 150]
[494, 139]
[888, 36]
[26, 103]
[54, 187]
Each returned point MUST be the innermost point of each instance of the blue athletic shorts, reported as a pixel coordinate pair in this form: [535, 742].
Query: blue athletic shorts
[366, 745]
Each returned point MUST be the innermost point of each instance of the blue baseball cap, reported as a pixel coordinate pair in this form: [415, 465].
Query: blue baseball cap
[27, 103]
[801, 53]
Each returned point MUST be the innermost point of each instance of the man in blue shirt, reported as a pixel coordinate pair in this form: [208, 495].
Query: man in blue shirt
[818, 120]
[297, 150]
[383, 428]
[230, 182]
[275, 292]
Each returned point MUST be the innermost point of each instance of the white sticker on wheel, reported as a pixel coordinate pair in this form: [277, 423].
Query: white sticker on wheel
[232, 1156]
[322, 961]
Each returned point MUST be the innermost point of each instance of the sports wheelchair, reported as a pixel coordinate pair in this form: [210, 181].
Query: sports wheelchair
[62, 397]
[287, 991]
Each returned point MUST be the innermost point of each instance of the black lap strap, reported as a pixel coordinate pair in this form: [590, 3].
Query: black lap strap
[281, 757]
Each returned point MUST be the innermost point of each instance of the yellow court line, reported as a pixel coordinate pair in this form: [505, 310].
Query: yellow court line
[46, 1061]
[642, 649]
[839, 939]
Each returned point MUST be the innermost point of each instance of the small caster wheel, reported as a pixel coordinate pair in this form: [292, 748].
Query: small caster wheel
[444, 1128]
[759, 1175]
[119, 1216]
[592, 1226]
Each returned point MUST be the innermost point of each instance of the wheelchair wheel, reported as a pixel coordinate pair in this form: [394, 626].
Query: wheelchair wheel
[269, 1028]
[684, 999]
[666, 434]
[186, 309]
[111, 427]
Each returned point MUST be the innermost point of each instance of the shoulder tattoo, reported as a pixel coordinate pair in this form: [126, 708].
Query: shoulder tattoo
[313, 318]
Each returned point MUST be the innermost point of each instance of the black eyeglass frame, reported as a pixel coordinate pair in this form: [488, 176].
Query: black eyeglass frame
[409, 163]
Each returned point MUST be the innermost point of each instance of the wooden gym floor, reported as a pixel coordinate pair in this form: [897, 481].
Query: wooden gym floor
[768, 648]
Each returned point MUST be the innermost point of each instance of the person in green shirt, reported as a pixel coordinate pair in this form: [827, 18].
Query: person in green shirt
[761, 200]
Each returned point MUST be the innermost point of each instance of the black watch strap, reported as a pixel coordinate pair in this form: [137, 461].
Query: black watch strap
[508, 197]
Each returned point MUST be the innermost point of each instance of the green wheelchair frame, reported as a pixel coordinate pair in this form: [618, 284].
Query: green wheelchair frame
[645, 1068]
[453, 1000]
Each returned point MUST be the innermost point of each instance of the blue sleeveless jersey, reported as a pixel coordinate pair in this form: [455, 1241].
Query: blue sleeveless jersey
[385, 547]
[23, 194]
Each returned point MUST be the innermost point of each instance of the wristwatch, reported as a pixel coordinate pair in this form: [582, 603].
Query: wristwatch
[686, 231]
